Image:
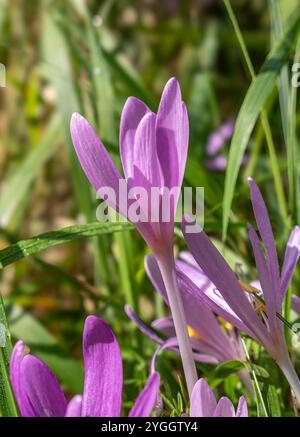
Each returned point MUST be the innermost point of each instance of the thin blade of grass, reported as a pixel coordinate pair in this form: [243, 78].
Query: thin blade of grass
[283, 81]
[7, 402]
[261, 407]
[56, 68]
[34, 245]
[273, 402]
[58, 71]
[287, 100]
[260, 89]
[292, 147]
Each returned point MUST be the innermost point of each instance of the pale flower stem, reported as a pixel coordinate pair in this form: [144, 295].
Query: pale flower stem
[292, 377]
[168, 272]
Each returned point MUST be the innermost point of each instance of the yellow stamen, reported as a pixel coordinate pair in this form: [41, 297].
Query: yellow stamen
[195, 334]
[223, 322]
[249, 288]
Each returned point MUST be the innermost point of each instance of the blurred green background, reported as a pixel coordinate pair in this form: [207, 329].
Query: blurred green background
[89, 56]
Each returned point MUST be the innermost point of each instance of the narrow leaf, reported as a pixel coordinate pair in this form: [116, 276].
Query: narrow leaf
[41, 242]
[273, 402]
[257, 94]
[7, 402]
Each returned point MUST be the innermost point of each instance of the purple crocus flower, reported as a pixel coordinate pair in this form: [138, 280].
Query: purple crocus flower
[210, 343]
[204, 403]
[217, 163]
[228, 298]
[38, 392]
[218, 138]
[216, 142]
[153, 150]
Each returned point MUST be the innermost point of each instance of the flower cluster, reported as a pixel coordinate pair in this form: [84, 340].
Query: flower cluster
[211, 307]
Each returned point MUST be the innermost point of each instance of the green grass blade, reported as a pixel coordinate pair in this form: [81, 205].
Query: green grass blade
[258, 92]
[273, 402]
[283, 82]
[41, 242]
[7, 403]
[59, 73]
[287, 100]
[57, 69]
[124, 243]
[292, 148]
[264, 118]
[260, 403]
[293, 173]
[102, 87]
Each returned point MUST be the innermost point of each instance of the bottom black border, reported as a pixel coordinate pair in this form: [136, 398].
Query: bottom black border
[135, 426]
